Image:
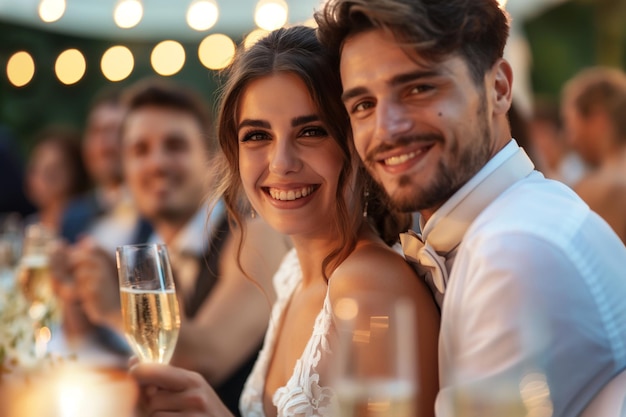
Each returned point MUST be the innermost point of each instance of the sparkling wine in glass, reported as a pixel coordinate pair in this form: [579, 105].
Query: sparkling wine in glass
[33, 271]
[149, 305]
[375, 372]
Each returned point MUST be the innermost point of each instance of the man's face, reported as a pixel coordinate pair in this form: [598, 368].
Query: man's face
[422, 130]
[584, 133]
[101, 148]
[164, 162]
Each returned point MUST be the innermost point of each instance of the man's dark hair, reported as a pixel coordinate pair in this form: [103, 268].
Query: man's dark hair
[477, 30]
[155, 92]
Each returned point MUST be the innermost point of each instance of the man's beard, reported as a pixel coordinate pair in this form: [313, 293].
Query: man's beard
[448, 177]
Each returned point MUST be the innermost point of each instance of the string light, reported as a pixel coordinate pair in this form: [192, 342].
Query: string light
[117, 63]
[20, 68]
[167, 58]
[128, 13]
[216, 51]
[70, 66]
[270, 14]
[202, 14]
[253, 37]
[51, 10]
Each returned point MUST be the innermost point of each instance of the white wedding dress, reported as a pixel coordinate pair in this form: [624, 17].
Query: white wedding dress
[302, 396]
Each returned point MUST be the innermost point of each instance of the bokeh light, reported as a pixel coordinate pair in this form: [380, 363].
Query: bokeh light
[216, 51]
[117, 63]
[253, 37]
[70, 66]
[20, 68]
[202, 14]
[128, 13]
[270, 14]
[51, 10]
[167, 58]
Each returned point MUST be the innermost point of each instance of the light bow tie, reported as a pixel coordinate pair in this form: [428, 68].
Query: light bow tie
[427, 262]
[446, 228]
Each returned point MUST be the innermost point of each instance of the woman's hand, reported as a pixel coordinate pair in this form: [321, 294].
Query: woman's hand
[167, 391]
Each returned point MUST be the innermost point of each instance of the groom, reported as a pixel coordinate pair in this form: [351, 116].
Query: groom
[530, 282]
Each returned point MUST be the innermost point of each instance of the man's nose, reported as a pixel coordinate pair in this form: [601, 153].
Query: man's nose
[393, 120]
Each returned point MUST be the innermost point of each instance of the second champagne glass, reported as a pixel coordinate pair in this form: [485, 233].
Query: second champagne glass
[374, 374]
[149, 305]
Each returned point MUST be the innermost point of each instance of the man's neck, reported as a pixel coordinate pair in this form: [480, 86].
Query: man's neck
[168, 229]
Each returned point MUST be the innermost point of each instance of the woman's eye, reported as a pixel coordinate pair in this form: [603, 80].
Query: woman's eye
[314, 132]
[254, 136]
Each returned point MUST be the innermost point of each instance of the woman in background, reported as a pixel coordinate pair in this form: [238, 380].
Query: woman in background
[55, 174]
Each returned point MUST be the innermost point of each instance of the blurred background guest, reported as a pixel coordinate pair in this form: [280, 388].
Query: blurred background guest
[106, 213]
[55, 174]
[594, 113]
[552, 152]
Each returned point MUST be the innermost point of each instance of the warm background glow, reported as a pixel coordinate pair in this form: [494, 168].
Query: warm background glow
[20, 68]
[253, 37]
[117, 63]
[216, 51]
[202, 14]
[167, 58]
[70, 66]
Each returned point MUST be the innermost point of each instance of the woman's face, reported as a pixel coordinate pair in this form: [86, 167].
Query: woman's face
[289, 165]
[48, 179]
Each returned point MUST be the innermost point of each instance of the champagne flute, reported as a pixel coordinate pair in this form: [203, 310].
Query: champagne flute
[33, 271]
[375, 367]
[149, 305]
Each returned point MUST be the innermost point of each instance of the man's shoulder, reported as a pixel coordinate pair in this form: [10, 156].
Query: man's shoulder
[535, 207]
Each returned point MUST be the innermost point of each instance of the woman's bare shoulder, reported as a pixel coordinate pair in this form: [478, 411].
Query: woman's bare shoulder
[373, 265]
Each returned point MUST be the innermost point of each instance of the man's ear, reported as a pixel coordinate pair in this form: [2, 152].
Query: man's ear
[502, 86]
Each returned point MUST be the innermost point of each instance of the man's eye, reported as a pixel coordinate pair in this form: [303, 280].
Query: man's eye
[422, 88]
[362, 106]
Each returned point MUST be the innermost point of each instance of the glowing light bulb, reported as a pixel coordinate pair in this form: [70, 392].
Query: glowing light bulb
[216, 51]
[128, 13]
[202, 14]
[117, 63]
[20, 68]
[270, 14]
[167, 58]
[51, 10]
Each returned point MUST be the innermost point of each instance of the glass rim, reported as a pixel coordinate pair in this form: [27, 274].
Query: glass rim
[140, 246]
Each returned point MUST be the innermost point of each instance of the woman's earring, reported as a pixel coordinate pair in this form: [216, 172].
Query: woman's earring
[366, 194]
[252, 213]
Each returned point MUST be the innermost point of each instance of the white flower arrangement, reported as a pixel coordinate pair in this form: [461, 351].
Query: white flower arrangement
[22, 338]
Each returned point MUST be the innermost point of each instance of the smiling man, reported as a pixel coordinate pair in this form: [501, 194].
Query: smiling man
[528, 278]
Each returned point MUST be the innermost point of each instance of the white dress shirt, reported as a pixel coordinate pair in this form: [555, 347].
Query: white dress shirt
[190, 245]
[535, 305]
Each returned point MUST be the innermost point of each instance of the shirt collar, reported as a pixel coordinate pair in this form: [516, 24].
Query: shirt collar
[457, 198]
[194, 238]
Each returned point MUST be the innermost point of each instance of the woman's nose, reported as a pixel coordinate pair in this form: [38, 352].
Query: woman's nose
[285, 157]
